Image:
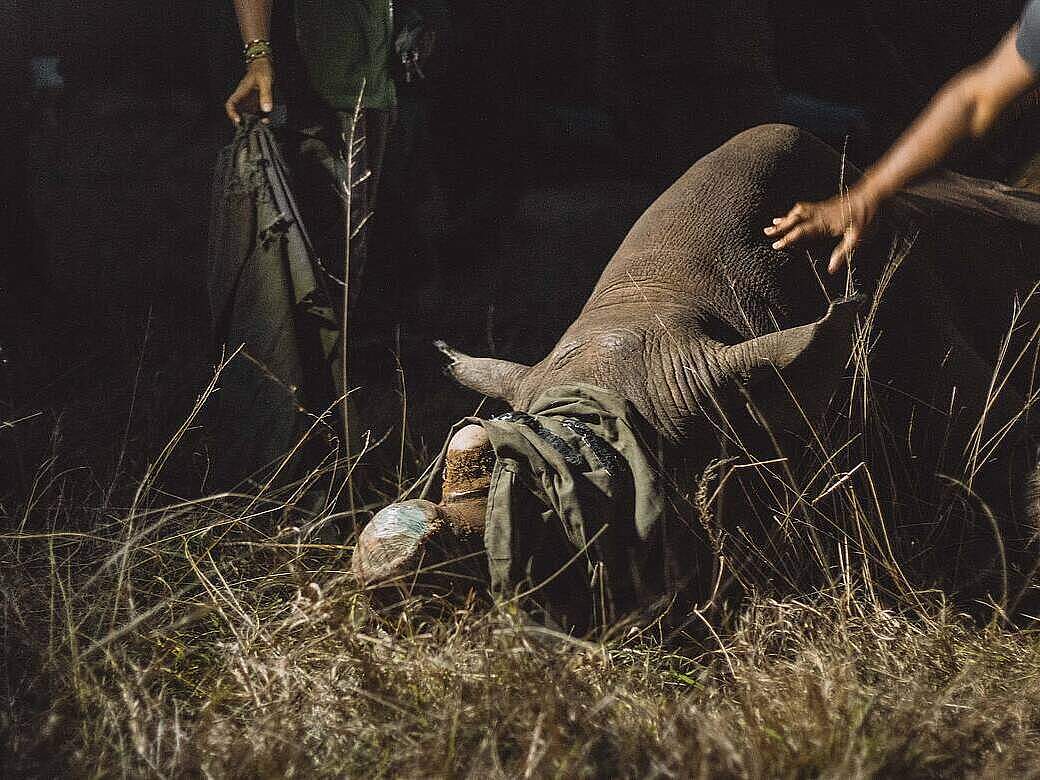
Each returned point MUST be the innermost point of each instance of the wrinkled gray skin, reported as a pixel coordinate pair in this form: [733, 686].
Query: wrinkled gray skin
[696, 313]
[671, 323]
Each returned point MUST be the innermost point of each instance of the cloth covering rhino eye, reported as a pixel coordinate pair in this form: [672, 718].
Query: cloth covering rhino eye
[608, 459]
[606, 455]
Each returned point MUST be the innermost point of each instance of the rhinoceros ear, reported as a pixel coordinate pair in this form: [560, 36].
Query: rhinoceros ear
[797, 368]
[490, 376]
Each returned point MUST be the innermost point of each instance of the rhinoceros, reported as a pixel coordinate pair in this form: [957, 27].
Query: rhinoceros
[698, 339]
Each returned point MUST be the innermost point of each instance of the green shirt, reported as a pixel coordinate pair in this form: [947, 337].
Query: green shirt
[346, 44]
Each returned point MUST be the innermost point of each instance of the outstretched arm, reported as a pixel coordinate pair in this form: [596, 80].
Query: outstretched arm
[967, 106]
[255, 89]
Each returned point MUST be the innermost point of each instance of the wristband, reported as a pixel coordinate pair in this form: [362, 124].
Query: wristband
[256, 49]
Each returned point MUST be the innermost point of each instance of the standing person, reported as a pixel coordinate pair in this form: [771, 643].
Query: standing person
[279, 233]
[341, 51]
[966, 107]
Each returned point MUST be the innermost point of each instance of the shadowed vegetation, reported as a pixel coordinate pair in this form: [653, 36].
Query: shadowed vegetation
[189, 642]
[224, 636]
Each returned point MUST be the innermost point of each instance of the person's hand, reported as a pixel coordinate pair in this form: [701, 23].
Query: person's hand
[847, 217]
[254, 92]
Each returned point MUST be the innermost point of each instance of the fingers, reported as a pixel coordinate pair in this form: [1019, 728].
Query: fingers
[808, 221]
[799, 223]
[231, 110]
[794, 235]
[231, 106]
[781, 225]
[266, 100]
[843, 251]
[255, 90]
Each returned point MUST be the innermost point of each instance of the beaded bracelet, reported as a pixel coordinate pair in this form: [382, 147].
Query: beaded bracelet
[256, 49]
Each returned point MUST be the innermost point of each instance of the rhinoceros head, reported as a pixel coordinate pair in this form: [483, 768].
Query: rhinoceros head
[787, 377]
[675, 378]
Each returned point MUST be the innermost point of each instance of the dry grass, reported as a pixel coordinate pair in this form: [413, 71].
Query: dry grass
[204, 645]
[222, 636]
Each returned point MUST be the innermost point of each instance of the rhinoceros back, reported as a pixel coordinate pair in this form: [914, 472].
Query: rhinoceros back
[701, 241]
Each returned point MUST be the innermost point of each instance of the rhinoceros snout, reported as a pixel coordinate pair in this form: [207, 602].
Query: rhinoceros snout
[392, 544]
[413, 538]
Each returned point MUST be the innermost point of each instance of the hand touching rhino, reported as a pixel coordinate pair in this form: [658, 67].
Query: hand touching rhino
[847, 217]
[967, 106]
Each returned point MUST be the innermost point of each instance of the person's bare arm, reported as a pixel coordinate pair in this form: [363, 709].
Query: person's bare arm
[966, 107]
[255, 89]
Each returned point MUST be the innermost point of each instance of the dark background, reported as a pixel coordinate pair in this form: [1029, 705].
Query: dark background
[542, 133]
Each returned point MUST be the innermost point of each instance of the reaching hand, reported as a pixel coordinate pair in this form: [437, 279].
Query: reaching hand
[254, 91]
[846, 217]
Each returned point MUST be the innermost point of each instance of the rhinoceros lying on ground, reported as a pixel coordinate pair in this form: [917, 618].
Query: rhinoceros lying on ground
[698, 338]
